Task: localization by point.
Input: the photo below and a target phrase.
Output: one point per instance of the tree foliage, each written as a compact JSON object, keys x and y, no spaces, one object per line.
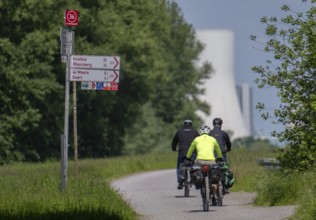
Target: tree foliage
{"x":158,"y":78}
{"x":292,"y":70}
{"x":28,"y":81}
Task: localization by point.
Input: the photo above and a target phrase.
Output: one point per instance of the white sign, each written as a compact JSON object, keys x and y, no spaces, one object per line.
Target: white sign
{"x":95,"y":62}
{"x":94,"y":75}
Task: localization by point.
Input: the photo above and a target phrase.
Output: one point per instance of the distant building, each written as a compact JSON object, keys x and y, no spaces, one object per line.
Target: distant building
{"x":244,"y":93}
{"x":220,"y":89}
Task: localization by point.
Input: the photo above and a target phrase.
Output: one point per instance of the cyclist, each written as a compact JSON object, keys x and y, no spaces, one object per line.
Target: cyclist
{"x":223,"y":140}
{"x":205,"y":146}
{"x":183,"y":138}
{"x":222,"y":137}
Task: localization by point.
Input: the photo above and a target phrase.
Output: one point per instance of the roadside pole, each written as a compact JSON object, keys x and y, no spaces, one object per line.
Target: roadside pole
{"x":74,"y":91}
{"x":66,"y":38}
{"x":66,"y":50}
{"x":66,"y":125}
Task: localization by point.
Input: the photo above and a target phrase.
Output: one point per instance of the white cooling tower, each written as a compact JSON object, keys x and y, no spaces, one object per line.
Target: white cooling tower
{"x":246,"y":104}
{"x":220,"y":89}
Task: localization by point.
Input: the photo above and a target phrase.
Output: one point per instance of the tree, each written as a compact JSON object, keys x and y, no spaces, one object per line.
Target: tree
{"x":174,"y":85}
{"x":157,"y":49}
{"x":292,"y":72}
{"x":28,"y":82}
{"x":157,"y":77}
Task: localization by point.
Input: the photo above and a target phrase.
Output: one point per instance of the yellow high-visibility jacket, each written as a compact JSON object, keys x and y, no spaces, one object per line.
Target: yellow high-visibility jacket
{"x":205,"y":146}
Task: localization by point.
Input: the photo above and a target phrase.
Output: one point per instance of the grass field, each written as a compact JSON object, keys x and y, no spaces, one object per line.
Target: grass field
{"x":32,"y":191}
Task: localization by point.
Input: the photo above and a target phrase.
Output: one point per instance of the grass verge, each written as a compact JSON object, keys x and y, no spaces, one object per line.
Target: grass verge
{"x":299,"y":188}
{"x":31,"y":191}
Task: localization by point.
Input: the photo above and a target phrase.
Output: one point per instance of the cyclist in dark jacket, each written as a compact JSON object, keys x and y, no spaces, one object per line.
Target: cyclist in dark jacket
{"x":183,"y":138}
{"x":221,"y":137}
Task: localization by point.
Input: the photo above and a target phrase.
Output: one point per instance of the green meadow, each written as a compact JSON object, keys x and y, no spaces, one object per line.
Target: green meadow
{"x":32,"y":191}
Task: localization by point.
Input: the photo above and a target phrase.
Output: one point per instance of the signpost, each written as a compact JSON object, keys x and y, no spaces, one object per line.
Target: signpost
{"x":66,"y":39}
{"x":71,"y":18}
{"x":101,"y":71}
{"x":95,"y":70}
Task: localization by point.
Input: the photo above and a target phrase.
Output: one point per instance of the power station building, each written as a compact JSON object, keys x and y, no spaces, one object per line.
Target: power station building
{"x":244,"y":94}
{"x":230,"y":102}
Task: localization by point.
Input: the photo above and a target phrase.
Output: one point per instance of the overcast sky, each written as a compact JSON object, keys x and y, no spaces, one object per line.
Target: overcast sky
{"x":243,"y":18}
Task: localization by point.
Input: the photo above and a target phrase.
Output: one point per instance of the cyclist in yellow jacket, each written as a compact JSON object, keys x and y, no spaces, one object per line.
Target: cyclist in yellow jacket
{"x":205,"y":146}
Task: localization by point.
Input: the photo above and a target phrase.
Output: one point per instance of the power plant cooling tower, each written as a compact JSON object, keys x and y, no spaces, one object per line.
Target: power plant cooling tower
{"x":244,"y":93}
{"x":220,"y":89}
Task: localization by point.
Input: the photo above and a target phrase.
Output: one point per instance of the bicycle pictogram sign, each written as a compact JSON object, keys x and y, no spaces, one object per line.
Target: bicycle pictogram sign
{"x":71,"y":17}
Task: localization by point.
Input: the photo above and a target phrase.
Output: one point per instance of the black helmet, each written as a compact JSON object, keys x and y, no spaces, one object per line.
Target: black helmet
{"x":217,"y":121}
{"x":187,"y":123}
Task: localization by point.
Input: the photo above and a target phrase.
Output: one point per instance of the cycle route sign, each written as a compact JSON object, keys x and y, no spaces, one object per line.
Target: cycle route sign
{"x":94,"y":68}
{"x":71,"y":17}
{"x":99,"y":86}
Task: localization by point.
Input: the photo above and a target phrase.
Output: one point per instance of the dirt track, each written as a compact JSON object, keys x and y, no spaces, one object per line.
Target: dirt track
{"x":154,"y":196}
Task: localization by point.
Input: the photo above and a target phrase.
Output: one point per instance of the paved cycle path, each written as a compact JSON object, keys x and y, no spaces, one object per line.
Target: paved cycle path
{"x":154,"y":196}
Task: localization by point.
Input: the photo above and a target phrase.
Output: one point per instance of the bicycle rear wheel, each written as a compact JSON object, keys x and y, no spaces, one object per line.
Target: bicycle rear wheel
{"x":220,"y":194}
{"x":205,"y":191}
{"x":187,"y":184}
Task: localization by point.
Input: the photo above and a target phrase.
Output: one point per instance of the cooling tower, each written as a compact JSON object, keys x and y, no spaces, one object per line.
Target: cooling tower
{"x":220,"y":89}
{"x":244,"y":93}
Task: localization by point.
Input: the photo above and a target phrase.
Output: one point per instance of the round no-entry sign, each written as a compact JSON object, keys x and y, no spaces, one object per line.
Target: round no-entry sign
{"x":71,"y":17}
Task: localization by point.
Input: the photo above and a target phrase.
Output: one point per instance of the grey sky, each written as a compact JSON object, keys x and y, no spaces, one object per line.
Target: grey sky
{"x":243,"y":18}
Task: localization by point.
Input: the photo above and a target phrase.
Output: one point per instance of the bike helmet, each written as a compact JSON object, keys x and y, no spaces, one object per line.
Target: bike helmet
{"x":205,"y":129}
{"x":187,"y":123}
{"x":217,"y":121}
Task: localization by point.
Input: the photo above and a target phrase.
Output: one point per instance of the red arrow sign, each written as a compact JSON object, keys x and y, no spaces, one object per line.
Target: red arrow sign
{"x":117,"y":63}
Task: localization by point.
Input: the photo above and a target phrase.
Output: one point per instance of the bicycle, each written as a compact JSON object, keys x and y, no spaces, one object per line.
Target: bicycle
{"x":185,"y":176}
{"x":187,"y":182}
{"x":205,"y":187}
{"x":211,"y":176}
{"x":216,"y":179}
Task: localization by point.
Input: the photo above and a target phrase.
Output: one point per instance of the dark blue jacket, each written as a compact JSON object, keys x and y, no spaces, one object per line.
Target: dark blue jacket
{"x":184,"y":137}
{"x":222,"y":139}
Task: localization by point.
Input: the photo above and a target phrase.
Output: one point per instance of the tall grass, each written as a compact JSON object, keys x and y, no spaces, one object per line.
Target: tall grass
{"x":274,"y":187}
{"x":279,"y":188}
{"x":243,"y":163}
{"x":307,"y":197}
{"x":32,"y":191}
